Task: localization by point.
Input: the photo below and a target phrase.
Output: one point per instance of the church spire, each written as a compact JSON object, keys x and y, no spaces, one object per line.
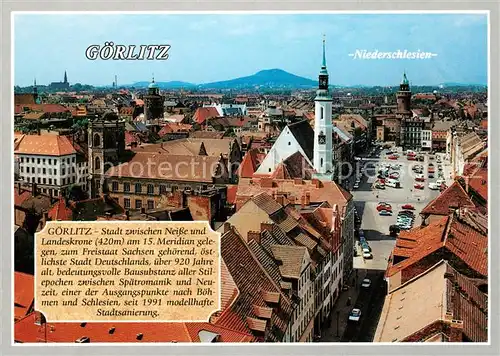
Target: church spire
{"x":65,"y":77}
{"x":323,"y":65}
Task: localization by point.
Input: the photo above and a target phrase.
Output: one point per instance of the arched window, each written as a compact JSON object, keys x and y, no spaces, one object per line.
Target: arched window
{"x":321,"y":162}
{"x":322,"y":112}
{"x":97,"y":164}
{"x":97,"y":140}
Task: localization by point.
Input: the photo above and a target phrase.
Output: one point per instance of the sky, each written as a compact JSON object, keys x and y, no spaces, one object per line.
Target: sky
{"x":213,"y":47}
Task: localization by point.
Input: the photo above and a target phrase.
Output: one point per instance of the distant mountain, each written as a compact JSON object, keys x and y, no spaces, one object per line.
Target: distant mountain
{"x":269,"y":78}
{"x":461,"y":85}
{"x":164,"y":85}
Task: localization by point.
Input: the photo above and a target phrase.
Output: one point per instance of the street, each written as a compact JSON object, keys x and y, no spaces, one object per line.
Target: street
{"x":376,"y":229}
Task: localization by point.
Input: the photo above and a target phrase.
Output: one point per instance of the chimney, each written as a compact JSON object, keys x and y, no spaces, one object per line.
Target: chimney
{"x":266,"y":226}
{"x":227,"y":227}
{"x":253,"y":235}
{"x":34,"y":189}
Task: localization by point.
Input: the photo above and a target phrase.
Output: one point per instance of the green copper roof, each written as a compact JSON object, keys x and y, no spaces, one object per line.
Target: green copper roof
{"x":405,"y":80}
{"x":323,"y":64}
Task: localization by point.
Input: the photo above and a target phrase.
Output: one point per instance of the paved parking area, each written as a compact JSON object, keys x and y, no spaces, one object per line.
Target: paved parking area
{"x":366,"y":198}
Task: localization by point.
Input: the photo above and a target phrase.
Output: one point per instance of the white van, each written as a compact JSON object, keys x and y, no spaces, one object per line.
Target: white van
{"x":440,"y":181}
{"x":434,"y":186}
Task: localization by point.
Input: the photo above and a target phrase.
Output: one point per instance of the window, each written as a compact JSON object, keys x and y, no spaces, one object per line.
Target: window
{"x":151,"y":189}
{"x":73,"y":170}
{"x":44,"y":180}
{"x":28,"y":178}
{"x":44,"y":171}
{"x":39,"y":180}
{"x":97,"y":140}
{"x":27,"y":169}
{"x":289,"y":143}
{"x":151,"y":204}
{"x":73,"y":159}
{"x":126,"y":203}
{"x":322,"y":113}
{"x":126,"y":187}
{"x":50,"y":161}
{"x":138,"y":204}
{"x":22,"y":159}
{"x":55,"y":171}
{"x":138,"y":187}
{"x":97,"y":163}
{"x":55,"y":181}
{"x":64,"y":181}
{"x":21,"y":169}
{"x":39,"y":170}
{"x":163,"y":188}
{"x":38,"y":160}
{"x":43,"y":160}
{"x":63,"y":171}
{"x":67,"y":160}
{"x":50,"y":180}
{"x":321,"y":162}
{"x":114,"y":186}
{"x":32,"y":160}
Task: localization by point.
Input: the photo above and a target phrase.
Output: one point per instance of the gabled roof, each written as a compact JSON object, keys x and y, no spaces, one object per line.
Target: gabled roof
{"x":203,"y":114}
{"x":253,"y":283}
{"x":291,"y":258}
{"x":61,"y":211}
{"x":452,"y":197}
{"x":451,"y":233}
{"x":304,"y":134}
{"x":248,"y":164}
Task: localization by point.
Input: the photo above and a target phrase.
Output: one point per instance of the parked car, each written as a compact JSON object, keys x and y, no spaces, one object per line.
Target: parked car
{"x":408,"y":207}
{"x":418,"y":186}
{"x":394,"y":175}
{"x":431,"y":164}
{"x":384,"y":207}
{"x":355,"y":314}
{"x":393,"y":157}
{"x":367,"y":255}
{"x":420,"y":179}
{"x":431,"y":175}
{"x":385,"y":213}
{"x":366,"y":283}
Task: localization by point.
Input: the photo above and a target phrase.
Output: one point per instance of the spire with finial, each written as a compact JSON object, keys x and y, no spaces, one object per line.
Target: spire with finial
{"x":65,"y":77}
{"x":34,"y":82}
{"x":324,"y":52}
{"x":405,"y":79}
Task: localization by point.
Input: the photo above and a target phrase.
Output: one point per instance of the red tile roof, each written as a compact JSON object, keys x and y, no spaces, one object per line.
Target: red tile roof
{"x":478,"y":181}
{"x":249,"y":164}
{"x":451,"y":233}
{"x":21,"y":196}
{"x":203,"y":114}
{"x":61,"y":211}
{"x":231,"y":193}
{"x":452,"y":197}
{"x":252,"y":281}
{"x":26,"y":331}
{"x":48,"y":145}
{"x":24,"y":291}
{"x":174,"y":127}
{"x":46,"y":108}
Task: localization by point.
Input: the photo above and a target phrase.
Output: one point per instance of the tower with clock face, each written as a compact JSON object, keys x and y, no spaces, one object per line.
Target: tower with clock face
{"x":323,"y":131}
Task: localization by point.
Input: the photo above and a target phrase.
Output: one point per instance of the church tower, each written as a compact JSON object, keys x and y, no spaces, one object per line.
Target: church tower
{"x":153,"y":104}
{"x":35,"y":92}
{"x":106,"y":148}
{"x":403,"y":97}
{"x":323,"y":136}
{"x":65,"y":78}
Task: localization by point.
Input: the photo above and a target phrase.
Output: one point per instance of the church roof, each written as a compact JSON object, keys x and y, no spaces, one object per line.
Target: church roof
{"x":304,"y":134}
{"x":405,"y":80}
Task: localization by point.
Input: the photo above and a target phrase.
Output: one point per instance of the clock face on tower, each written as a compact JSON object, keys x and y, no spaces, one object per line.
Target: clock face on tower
{"x":323,"y":82}
{"x":321,"y":139}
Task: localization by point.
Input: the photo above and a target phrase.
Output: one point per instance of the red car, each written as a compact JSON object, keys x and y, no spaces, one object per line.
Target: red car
{"x":394,"y":176}
{"x":408,"y":207}
{"x":393,"y":157}
{"x":419,"y":186}
{"x":430,"y":170}
{"x":384,"y":207}
{"x":418,"y":179}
